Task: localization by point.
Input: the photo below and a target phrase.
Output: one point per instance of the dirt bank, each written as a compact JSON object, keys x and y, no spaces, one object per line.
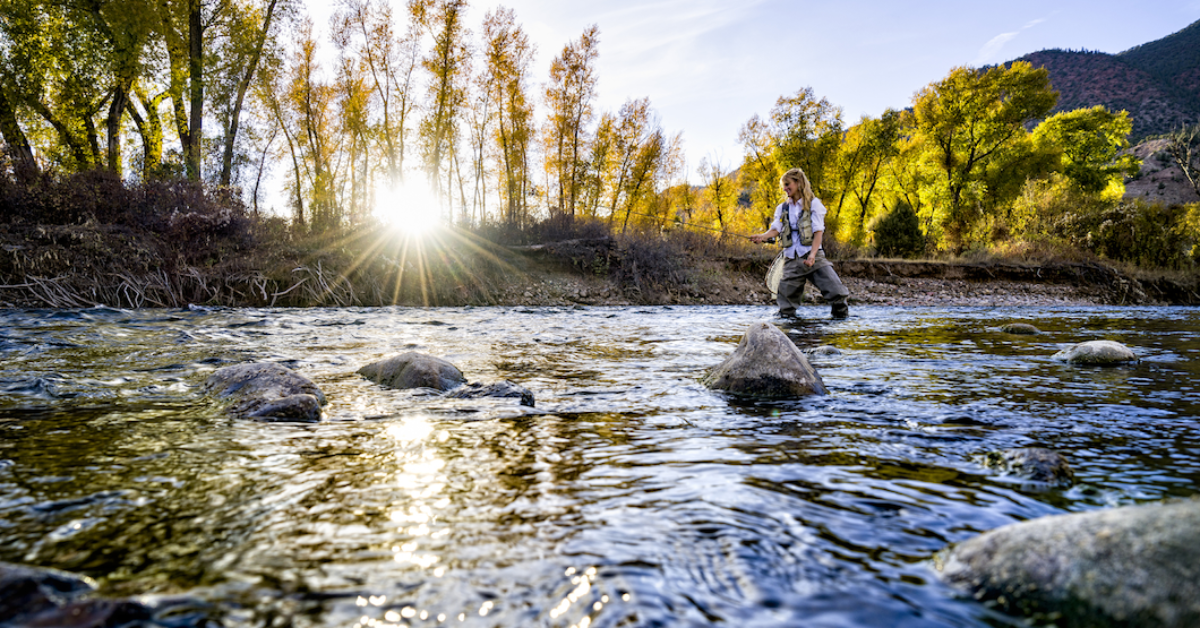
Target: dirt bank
{"x":80,"y":266}
{"x":871,"y":282}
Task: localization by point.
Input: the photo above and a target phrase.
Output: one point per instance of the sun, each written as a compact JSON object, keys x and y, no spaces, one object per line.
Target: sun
{"x":410,"y":207}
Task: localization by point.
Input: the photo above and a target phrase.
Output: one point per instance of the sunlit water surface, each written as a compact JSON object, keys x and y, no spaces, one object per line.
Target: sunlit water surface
{"x":630,"y":496}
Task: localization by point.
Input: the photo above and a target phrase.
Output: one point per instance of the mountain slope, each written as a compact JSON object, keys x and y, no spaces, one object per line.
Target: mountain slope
{"x":1158,"y":83}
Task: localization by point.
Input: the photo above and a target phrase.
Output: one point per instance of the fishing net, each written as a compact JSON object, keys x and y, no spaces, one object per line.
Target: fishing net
{"x":774,"y":274}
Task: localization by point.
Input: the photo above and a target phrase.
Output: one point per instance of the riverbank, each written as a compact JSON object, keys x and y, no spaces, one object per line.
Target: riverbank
{"x":85,"y":265}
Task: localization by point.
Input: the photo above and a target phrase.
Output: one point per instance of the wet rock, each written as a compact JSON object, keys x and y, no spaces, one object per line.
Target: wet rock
{"x":1020,"y":328}
{"x":1129,"y":566}
{"x":1097,"y":353}
{"x":414,"y":370}
{"x":502,"y":390}
{"x":267,"y":392}
{"x":33,"y":596}
{"x":823,"y":351}
{"x":1034,"y":464}
{"x":29,"y":590}
{"x":766,"y":364}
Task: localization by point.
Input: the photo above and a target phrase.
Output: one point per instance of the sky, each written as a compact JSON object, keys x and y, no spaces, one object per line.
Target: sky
{"x":708,"y":66}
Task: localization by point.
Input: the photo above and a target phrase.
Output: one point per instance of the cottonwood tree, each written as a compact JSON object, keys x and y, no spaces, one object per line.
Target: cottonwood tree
{"x":68,"y":65}
{"x":806,"y":133}
{"x":719,"y":189}
{"x":967,"y":121}
{"x":760,"y":170}
{"x":569,"y":96}
{"x":252,"y":27}
{"x":1087,"y":144}
{"x":508,"y":55}
{"x":365,"y":29}
{"x":447,"y":63}
{"x":859,"y":170}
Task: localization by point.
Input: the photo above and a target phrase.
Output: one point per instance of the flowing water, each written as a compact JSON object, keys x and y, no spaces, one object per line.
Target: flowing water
{"x":630,"y":496}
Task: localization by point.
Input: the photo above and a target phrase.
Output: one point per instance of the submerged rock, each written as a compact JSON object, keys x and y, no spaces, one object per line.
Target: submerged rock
{"x":1034,"y":464}
{"x":34,"y":596}
{"x":1096,"y":352}
{"x":267,"y":391}
{"x":822,"y":351}
{"x":502,"y":390}
{"x":1129,"y":566}
{"x":766,"y":364}
{"x":1020,"y":328}
{"x":414,"y":370}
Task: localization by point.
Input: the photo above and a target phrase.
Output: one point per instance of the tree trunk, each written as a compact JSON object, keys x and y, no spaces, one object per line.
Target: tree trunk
{"x":24,"y":164}
{"x":196,"y":80}
{"x":231,"y":132}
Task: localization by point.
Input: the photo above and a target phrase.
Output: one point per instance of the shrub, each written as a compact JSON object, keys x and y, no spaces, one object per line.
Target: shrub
{"x":898,"y":233}
{"x":1149,"y":235}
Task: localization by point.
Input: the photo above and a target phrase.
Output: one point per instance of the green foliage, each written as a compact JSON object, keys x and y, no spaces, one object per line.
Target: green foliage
{"x":1087,"y":145}
{"x":972,"y":124}
{"x":1144,"y":234}
{"x":898,"y":233}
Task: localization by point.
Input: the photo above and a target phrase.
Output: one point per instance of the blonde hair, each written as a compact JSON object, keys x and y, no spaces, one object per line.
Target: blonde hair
{"x":806,"y":193}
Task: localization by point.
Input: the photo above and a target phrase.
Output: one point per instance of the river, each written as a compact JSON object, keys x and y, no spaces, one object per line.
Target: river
{"x":629,"y":496}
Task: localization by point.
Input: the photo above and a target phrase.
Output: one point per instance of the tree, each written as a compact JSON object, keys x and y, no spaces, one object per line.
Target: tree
{"x":569,"y":95}
{"x":967,"y":120}
{"x":859,"y":167}
{"x":719,"y":187}
{"x":1087,"y":144}
{"x":364,"y":29}
{"x":508,"y":55}
{"x":258,"y":27}
{"x":1184,"y":147}
{"x":65,"y":63}
{"x":760,"y":170}
{"x":448,"y":64}
{"x":807,"y":133}
{"x":898,"y":233}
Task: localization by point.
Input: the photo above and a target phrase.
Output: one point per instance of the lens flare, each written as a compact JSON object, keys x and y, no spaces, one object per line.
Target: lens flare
{"x":411,"y":207}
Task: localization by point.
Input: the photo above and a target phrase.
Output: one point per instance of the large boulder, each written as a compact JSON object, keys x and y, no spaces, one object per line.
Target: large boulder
{"x":1129,"y":566}
{"x":1033,"y":464}
{"x":766,"y":364}
{"x":266,"y":391}
{"x":414,"y":370}
{"x":501,"y":390}
{"x":1096,"y":353}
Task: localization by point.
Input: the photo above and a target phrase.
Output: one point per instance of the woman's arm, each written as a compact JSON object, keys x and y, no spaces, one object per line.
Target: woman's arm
{"x":766,"y":235}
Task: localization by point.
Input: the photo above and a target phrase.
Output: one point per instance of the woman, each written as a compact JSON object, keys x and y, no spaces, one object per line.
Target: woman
{"x":800,"y":223}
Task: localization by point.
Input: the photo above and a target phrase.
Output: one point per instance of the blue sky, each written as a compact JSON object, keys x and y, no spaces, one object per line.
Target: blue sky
{"x":709,"y":65}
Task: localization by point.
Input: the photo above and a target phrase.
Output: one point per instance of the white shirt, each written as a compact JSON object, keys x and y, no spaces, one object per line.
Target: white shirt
{"x":794,"y":209}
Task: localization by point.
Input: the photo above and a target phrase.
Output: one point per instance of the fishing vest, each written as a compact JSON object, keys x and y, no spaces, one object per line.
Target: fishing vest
{"x":804,"y":226}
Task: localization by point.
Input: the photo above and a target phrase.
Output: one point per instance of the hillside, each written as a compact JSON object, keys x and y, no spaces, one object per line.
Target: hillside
{"x":1158,"y":83}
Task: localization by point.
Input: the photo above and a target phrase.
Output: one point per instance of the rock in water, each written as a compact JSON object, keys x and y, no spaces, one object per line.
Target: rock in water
{"x":1020,"y":328}
{"x":822,"y":351}
{"x":1096,"y":353}
{"x":1034,"y":464}
{"x":414,"y":370}
{"x":268,"y":392}
{"x":1129,"y":566}
{"x":503,"y":390}
{"x":766,"y":364}
{"x":34,"y":596}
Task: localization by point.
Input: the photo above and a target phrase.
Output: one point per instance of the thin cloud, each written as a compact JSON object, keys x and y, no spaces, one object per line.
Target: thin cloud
{"x":993,"y":47}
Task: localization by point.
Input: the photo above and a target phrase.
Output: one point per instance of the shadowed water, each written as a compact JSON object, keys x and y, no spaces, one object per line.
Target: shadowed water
{"x":630,"y":496}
